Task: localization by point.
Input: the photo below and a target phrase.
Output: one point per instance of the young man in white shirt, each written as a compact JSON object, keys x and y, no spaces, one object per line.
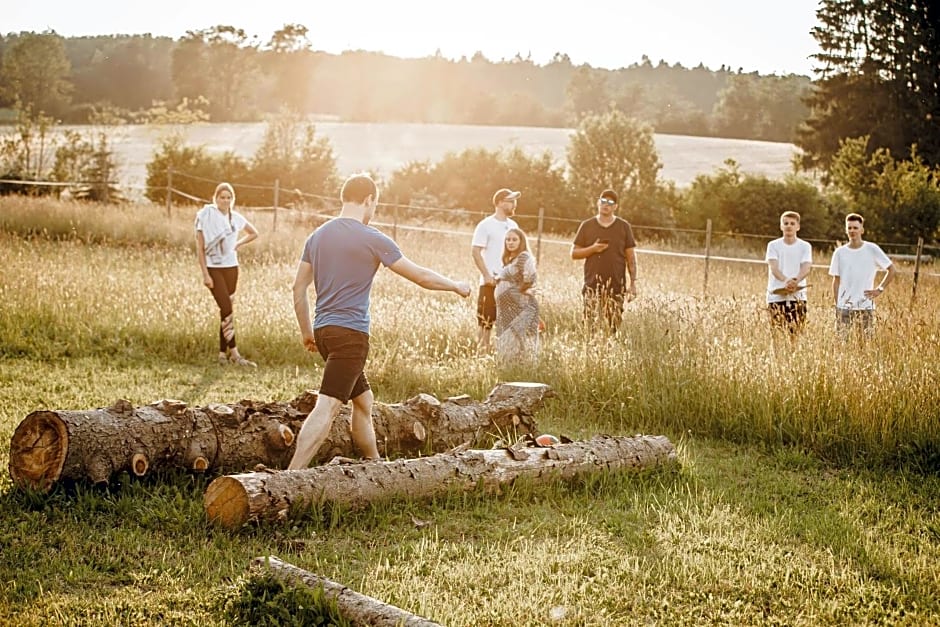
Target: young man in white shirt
{"x":487,"y":250}
{"x":853,"y":269}
{"x":789,"y":261}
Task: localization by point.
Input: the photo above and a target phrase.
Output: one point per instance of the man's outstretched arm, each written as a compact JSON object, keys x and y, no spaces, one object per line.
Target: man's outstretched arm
{"x":427,"y":278}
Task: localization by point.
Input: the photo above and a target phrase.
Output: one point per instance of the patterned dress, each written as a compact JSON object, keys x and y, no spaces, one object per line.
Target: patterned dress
{"x":517,"y":314}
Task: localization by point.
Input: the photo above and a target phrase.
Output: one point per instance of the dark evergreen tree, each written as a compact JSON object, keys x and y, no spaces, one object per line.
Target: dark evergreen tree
{"x":879,"y":68}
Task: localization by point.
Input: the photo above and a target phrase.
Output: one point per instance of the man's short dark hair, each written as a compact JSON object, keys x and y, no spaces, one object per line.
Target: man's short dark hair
{"x":357,"y":188}
{"x":855,"y":217}
{"x":611,"y":194}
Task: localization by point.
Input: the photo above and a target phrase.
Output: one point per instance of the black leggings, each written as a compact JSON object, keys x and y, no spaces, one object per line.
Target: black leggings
{"x":224,"y":282}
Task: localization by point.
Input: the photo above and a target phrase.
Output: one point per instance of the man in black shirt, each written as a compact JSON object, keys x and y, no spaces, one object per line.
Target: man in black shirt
{"x":606,"y":244}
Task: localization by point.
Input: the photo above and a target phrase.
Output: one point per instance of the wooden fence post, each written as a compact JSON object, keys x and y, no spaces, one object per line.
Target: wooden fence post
{"x":169,"y":191}
{"x":708,"y":247}
{"x":920,"y":250}
{"x":395,"y":222}
{"x":538,"y":242}
{"x":277,"y":189}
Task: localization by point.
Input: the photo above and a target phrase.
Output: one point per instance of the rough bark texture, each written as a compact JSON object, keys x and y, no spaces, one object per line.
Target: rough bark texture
{"x":52,"y":446}
{"x":358,"y":608}
{"x":234,"y":500}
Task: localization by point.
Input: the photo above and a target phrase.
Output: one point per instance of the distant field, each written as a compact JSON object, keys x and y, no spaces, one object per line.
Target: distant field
{"x":385,"y":147}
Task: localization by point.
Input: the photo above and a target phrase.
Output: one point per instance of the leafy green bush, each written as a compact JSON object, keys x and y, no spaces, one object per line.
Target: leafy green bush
{"x":295,"y":157}
{"x":742,"y":203}
{"x":26,"y":153}
{"x":468,"y":180}
{"x":614,"y":151}
{"x":89,"y":161}
{"x":899,"y":199}
{"x":291,"y":154}
{"x":195,"y":171}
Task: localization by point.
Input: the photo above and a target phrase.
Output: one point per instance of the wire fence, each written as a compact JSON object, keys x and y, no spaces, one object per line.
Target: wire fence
{"x":396,"y":217}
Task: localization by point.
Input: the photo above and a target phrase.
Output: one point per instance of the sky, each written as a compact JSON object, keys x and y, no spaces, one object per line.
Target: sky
{"x":766,"y":36}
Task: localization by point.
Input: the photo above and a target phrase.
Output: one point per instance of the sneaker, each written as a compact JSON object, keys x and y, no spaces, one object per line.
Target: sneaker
{"x":241,"y":361}
{"x":223,"y":359}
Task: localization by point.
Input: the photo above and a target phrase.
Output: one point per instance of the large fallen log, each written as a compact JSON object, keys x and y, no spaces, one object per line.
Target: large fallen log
{"x":52,"y":446}
{"x":356,"y":607}
{"x":234,"y":500}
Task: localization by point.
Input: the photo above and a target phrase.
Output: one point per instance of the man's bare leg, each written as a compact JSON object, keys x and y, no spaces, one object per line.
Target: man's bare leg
{"x":314,"y":431}
{"x":363,"y":431}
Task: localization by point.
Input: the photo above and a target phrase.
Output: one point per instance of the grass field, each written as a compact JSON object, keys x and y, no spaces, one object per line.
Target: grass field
{"x":807,"y":492}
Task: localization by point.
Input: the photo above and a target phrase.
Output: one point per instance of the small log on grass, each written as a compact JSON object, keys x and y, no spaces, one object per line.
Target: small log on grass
{"x":354,"y":606}
{"x":234,"y":500}
{"x":52,"y":446}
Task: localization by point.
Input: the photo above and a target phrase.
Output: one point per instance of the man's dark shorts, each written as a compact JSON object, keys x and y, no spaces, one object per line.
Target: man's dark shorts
{"x":486,"y":306}
{"x":345,"y":352}
{"x":789,"y":315}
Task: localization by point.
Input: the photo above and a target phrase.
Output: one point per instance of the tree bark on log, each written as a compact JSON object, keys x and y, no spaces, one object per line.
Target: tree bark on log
{"x":52,"y":446}
{"x":358,"y":608}
{"x":233,"y":500}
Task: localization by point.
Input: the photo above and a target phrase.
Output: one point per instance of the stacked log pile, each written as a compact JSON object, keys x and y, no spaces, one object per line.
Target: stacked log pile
{"x":52,"y":446}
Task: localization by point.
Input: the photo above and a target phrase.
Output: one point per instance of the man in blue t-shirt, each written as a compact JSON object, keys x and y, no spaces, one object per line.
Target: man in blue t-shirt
{"x":340,"y":259}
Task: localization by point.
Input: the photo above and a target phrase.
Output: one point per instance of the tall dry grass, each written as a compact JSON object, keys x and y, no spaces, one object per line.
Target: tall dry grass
{"x":82,"y":280}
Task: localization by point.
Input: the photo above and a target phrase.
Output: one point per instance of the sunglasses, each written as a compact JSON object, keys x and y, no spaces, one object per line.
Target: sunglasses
{"x":608,"y":201}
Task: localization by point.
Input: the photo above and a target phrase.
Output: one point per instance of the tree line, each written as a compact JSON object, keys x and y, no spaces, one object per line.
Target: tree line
{"x":237,"y":78}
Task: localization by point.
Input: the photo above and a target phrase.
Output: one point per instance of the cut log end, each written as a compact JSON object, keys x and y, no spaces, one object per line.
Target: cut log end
{"x":139,"y":464}
{"x":226,"y":503}
{"x":200,"y":464}
{"x":38,"y":450}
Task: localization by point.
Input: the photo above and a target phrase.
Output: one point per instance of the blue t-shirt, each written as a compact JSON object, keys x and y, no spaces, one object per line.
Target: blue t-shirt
{"x":345,"y":255}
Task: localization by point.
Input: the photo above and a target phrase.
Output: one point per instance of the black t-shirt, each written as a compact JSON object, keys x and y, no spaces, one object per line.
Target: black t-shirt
{"x":606,"y":269}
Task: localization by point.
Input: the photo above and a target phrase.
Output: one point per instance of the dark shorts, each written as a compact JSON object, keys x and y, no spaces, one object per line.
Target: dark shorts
{"x":859,"y":320}
{"x":345,"y":352}
{"x":789,"y":315}
{"x":486,"y":306}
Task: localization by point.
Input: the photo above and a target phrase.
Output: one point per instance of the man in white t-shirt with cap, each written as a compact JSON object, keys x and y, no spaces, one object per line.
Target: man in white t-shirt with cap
{"x":853,"y":269}
{"x":487,"y":246}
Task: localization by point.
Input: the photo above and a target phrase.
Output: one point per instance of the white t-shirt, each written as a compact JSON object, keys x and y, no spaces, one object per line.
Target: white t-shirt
{"x":490,"y":235}
{"x":222,"y":254}
{"x":856,"y":269}
{"x":789,"y":259}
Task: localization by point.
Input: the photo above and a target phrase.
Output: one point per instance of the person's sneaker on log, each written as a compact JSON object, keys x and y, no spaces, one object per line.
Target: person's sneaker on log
{"x":339,"y":459}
